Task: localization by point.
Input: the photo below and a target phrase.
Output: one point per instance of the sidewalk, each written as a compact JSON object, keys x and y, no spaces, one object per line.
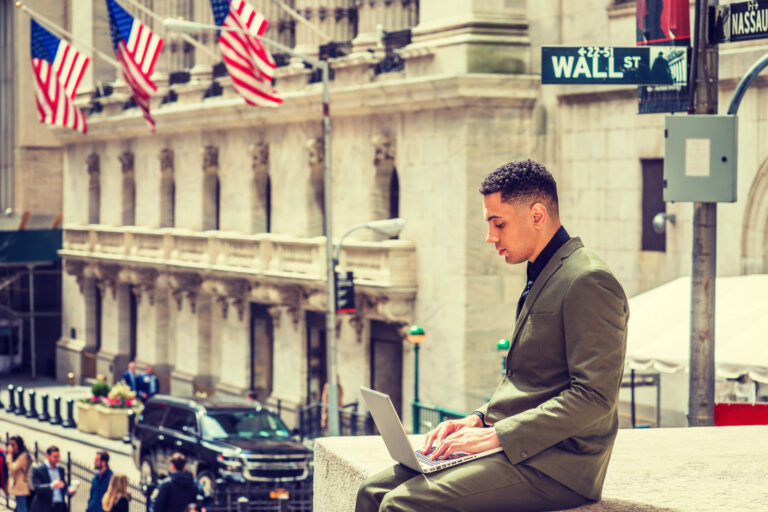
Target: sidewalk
{"x":53,"y":388}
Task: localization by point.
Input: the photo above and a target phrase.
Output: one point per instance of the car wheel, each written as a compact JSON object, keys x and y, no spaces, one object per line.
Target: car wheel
{"x":207,"y":481}
{"x":147,"y":471}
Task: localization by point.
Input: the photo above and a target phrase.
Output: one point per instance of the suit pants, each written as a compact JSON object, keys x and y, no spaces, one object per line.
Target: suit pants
{"x":489,"y":484}
{"x":58,"y":507}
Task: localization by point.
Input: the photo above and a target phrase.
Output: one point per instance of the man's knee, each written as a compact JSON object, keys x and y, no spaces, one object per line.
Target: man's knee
{"x":366,"y":500}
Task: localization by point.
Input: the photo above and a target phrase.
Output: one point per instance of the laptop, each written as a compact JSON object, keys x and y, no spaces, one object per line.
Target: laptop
{"x":399,"y":447}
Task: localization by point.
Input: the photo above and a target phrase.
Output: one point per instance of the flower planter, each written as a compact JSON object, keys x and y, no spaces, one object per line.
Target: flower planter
{"x":87,"y":417}
{"x":112,"y":423}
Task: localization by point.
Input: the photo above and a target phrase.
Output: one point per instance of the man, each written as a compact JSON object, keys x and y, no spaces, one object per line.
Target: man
{"x":100,"y":482}
{"x":148,"y":385}
{"x":49,"y":481}
{"x":555,"y":411}
{"x":130,"y":377}
{"x":178,"y":490}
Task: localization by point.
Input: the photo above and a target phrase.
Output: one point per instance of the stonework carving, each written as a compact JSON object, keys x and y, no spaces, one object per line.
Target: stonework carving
{"x":211,"y":159}
{"x":142,"y":281}
{"x":93,"y":164}
{"x":316,"y":154}
{"x":126,"y":160}
{"x":384,"y":153}
{"x":184,"y":284}
{"x":77,"y":269}
{"x":274,"y":312}
{"x":260,"y":153}
{"x":166,"y":161}
{"x":358,"y":324}
{"x":106,"y":276}
{"x":226,"y":291}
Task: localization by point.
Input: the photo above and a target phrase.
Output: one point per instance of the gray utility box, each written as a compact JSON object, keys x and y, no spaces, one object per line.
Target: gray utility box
{"x":700,"y":159}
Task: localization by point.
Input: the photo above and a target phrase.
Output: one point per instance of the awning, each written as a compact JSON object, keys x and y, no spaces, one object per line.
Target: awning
{"x":660,"y":320}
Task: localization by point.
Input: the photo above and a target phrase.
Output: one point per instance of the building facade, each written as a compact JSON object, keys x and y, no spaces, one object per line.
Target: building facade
{"x":200,"y":249}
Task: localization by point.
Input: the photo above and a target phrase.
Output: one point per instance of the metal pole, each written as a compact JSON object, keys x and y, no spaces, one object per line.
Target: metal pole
{"x":330,"y":329}
{"x":416,"y":409}
{"x":32,"y":351}
{"x":632,"y":393}
{"x":701,"y":397}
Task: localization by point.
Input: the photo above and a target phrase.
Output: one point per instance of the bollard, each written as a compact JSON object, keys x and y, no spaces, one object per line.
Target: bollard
{"x":56,"y":416}
{"x":20,"y":409}
{"x":71,"y":378}
{"x":44,"y":416}
{"x":32,"y":410}
{"x":69,"y":422}
{"x":131,"y":422}
{"x":11,"y":399}
{"x":242,"y":504}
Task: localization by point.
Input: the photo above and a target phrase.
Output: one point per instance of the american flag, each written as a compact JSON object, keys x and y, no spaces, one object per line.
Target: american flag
{"x":137,"y":49}
{"x":58,"y":69}
{"x":248,"y":63}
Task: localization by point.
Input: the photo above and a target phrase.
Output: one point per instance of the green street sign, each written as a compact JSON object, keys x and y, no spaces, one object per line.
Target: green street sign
{"x":646,"y":65}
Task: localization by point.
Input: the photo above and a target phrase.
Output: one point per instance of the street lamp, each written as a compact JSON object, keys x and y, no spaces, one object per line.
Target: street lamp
{"x":416,"y":336}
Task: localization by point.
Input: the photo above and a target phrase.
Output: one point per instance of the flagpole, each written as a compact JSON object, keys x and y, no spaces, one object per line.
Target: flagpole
{"x":301,"y":19}
{"x":67,"y":33}
{"x":191,"y":40}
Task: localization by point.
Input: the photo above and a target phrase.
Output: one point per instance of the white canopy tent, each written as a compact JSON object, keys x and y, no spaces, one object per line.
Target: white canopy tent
{"x":660,"y":319}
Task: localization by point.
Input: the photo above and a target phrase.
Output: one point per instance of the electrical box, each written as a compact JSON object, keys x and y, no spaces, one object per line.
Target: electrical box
{"x":700,"y":159}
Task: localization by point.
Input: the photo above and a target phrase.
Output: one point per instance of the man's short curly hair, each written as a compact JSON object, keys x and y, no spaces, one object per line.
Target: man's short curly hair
{"x":523,"y":182}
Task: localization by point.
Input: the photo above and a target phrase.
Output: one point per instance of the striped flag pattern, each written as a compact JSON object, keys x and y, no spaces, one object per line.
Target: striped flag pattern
{"x":137,"y":48}
{"x":58,"y":70}
{"x":248,"y":63}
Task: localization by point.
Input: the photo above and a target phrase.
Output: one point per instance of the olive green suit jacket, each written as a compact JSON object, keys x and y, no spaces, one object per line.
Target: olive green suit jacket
{"x":556,"y":407}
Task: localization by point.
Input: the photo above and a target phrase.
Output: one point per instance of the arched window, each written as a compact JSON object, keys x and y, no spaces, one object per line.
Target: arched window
{"x":94,"y":189}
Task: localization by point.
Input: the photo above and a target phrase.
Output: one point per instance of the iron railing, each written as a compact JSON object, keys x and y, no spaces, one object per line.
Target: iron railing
{"x":351,"y":422}
{"x":429,"y":416}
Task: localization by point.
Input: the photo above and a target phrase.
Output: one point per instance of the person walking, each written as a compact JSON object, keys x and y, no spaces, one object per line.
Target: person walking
{"x":116,"y":498}
{"x":19,"y":466}
{"x":177,"y":491}
{"x":49,"y":482}
{"x":100,"y":482}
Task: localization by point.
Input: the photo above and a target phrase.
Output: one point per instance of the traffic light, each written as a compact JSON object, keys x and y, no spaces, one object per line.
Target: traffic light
{"x":345,"y":293}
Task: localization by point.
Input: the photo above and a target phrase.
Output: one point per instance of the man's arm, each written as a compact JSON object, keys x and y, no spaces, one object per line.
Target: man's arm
{"x":595,"y":324}
{"x":159,"y":499}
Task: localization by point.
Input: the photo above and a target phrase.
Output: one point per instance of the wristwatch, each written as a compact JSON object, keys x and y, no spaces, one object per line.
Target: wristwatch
{"x":481,"y":416}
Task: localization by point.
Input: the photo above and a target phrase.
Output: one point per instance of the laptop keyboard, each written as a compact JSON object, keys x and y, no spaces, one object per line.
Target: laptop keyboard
{"x":426,"y":458}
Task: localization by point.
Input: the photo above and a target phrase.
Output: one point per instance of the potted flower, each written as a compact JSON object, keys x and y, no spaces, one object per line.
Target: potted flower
{"x":87,"y":415}
{"x":113,"y":411}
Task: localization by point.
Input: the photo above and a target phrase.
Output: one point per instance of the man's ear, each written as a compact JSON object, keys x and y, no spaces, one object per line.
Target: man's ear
{"x":539,"y":214}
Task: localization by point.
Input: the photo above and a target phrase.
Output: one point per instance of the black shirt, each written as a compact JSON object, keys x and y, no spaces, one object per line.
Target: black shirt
{"x":534,"y":269}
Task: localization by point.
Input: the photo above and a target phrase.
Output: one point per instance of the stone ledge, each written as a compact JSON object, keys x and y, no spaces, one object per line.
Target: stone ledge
{"x":651,"y":470}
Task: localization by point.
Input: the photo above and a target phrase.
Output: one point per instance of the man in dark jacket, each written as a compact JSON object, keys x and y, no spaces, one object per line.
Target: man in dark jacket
{"x":178,"y":490}
{"x":148,"y":385}
{"x":100,"y":482}
{"x":49,"y":480}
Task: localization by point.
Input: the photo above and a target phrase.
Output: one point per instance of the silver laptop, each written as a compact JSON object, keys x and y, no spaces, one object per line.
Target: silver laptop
{"x":393,"y":433}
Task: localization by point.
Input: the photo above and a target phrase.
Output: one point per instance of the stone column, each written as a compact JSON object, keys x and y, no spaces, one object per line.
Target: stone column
{"x":167,"y":189}
{"x":233,"y":364}
{"x":115,"y":323}
{"x":203,"y":63}
{"x":290,"y":356}
{"x":335,"y":18}
{"x":259,"y":199}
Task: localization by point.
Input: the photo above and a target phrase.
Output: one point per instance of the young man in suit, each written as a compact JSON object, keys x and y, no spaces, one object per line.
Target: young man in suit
{"x":130,"y":377}
{"x":148,"y":385}
{"x":555,"y":411}
{"x":49,"y":480}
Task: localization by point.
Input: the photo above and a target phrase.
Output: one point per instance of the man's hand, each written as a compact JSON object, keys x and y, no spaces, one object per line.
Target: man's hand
{"x":443,"y":430}
{"x":468,"y":440}
{"x":58,"y":484}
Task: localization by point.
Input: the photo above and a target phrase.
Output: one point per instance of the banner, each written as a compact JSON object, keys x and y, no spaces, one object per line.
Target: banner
{"x":667,"y":23}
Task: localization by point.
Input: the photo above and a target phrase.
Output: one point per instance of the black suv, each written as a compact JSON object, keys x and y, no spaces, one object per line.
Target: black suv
{"x":233,"y":443}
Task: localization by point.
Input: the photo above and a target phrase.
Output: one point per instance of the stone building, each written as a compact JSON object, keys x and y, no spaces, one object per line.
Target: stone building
{"x":200,"y":249}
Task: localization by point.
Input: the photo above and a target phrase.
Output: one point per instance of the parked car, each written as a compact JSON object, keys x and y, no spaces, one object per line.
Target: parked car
{"x":225,"y":443}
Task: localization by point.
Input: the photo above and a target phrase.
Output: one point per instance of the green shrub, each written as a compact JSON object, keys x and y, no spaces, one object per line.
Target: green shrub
{"x":100,"y":389}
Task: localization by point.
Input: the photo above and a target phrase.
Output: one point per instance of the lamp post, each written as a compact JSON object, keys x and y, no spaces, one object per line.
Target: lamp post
{"x":416,"y":335}
{"x":503,"y":346}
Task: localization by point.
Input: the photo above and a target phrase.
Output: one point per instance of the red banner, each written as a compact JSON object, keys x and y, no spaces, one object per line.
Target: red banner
{"x":740,"y":414}
{"x":664,"y":22}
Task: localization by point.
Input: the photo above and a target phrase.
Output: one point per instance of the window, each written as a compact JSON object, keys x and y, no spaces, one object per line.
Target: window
{"x":211,"y":204}
{"x":167,"y":200}
{"x":153,"y":415}
{"x":181,"y":420}
{"x":653,"y":203}
{"x":243,"y":423}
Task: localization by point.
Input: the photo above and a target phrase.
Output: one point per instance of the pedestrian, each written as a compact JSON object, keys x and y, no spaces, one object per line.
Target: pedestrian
{"x":176,"y":492}
{"x":148,"y":385}
{"x":19,"y":466}
{"x":49,"y":482}
{"x":194,"y":507}
{"x":116,"y":498}
{"x":100,"y":482}
{"x":130,"y":377}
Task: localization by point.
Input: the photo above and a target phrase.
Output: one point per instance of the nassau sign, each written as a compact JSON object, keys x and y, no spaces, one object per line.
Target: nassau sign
{"x":649,"y":65}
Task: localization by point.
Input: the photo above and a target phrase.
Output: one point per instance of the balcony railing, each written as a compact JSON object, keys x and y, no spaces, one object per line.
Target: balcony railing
{"x":390,"y":263}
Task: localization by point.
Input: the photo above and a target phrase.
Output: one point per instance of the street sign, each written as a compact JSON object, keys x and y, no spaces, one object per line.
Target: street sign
{"x":741,"y":21}
{"x":345,"y":293}
{"x":661,"y":65}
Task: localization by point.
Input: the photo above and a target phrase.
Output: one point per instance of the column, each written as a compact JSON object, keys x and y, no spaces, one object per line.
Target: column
{"x":231,"y":351}
{"x":335,"y":18}
{"x":115,"y":330}
{"x":390,"y":14}
{"x":203,"y":62}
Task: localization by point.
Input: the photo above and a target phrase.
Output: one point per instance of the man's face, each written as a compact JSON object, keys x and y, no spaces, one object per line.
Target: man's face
{"x":97,"y":462}
{"x":510,"y":228}
{"x":149,"y":369}
{"x":53,"y":458}
{"x":132,"y":367}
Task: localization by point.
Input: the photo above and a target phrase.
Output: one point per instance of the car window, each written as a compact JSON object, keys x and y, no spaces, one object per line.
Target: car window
{"x":181,"y":420}
{"x":243,"y":423}
{"x":153,"y":415}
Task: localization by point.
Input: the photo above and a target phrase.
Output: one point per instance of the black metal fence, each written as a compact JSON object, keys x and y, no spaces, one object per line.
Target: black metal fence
{"x":351,"y":422}
{"x":284,"y":497}
{"x":82,"y":473}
